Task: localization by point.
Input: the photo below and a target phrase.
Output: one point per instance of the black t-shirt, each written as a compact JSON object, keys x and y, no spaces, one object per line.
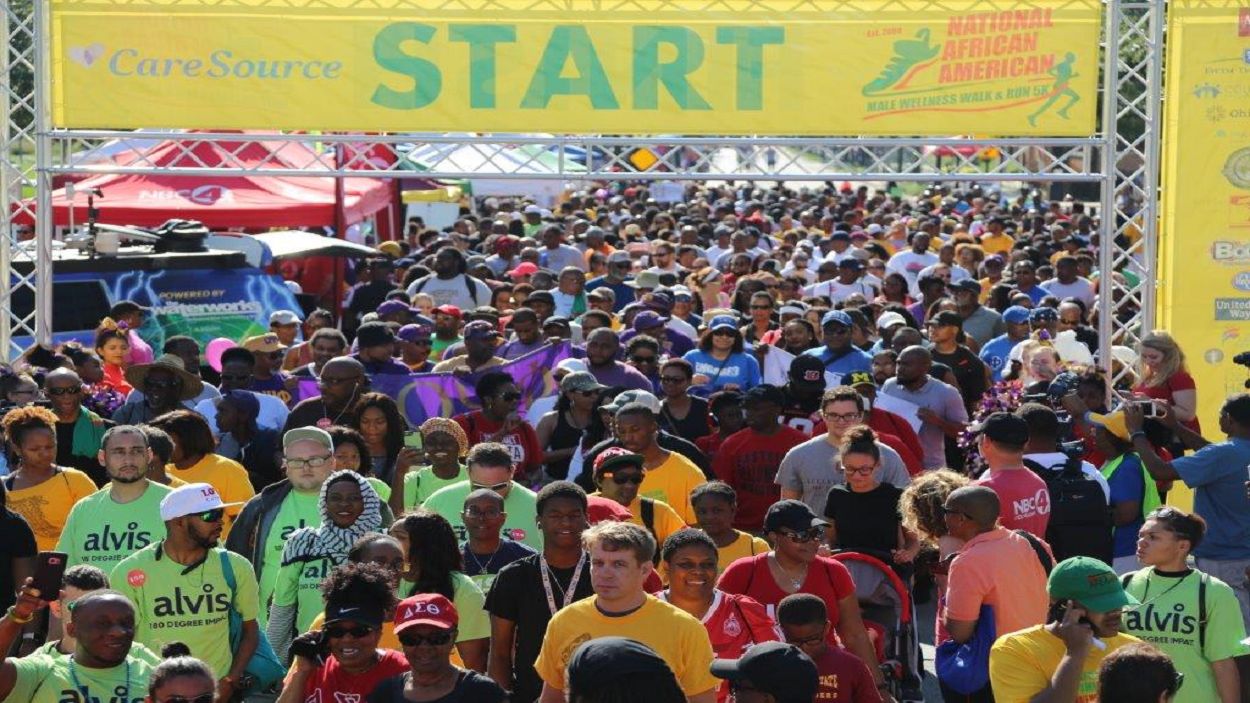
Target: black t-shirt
{"x":691,"y":427}
{"x":969,"y":372}
{"x":471,"y":687}
{"x":18,"y":543}
{"x":518,"y":595}
{"x":865,"y":520}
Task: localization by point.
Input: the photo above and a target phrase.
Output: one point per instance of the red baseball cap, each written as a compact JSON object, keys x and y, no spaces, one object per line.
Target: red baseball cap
{"x":448,"y":310}
{"x":525,"y":268}
{"x":430,"y":609}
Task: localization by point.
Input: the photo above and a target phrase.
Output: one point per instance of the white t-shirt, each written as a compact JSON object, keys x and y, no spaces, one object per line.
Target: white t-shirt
{"x":838,"y":291}
{"x":272,"y":413}
{"x":1081,"y":289}
{"x":958,"y":273}
{"x":452,"y":291}
{"x":910,"y":264}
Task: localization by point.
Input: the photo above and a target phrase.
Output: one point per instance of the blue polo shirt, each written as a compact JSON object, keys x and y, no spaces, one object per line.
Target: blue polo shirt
{"x":995,"y":354}
{"x":1217,"y":473}
{"x":848,"y":362}
{"x":624,"y":293}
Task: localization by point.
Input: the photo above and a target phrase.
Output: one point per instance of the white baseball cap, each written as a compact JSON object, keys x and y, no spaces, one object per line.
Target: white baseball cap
{"x":572,"y":365}
{"x":191,"y":499}
{"x":283,"y":317}
{"x":888,"y":319}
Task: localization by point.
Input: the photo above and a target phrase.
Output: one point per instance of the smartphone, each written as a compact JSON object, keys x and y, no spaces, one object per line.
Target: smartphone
{"x":414,"y":440}
{"x":1058,"y":610}
{"x":1150,"y":409}
{"x":49,"y":571}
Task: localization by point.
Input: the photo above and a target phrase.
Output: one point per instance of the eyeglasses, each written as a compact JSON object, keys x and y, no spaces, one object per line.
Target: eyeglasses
{"x":844,"y":417}
{"x":313,"y":462}
{"x":72,"y":390}
{"x":800,"y":642}
{"x":356,"y":631}
{"x":622,"y":479}
{"x":761,"y":307}
{"x":492,"y":486}
{"x":490,"y":514}
{"x":724,"y":333}
{"x":861,"y":470}
{"x":643,"y":359}
{"x":510,"y":397}
{"x":1177,"y":681}
{"x":673,"y":379}
{"x":588,"y":394}
{"x":943,"y":510}
{"x":161,"y":385}
{"x":206,"y":698}
{"x":804,"y":537}
{"x":438,"y":639}
{"x":214,"y":515}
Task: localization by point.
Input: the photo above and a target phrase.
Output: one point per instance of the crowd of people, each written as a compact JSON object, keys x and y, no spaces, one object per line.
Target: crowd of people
{"x":782,"y":419}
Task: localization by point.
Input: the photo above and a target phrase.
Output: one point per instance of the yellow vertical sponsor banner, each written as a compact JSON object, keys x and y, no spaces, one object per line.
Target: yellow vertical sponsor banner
{"x":1204,"y":262}
{"x":811,"y":67}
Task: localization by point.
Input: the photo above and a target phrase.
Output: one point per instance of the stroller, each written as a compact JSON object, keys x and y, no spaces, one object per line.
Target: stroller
{"x":888,"y":615}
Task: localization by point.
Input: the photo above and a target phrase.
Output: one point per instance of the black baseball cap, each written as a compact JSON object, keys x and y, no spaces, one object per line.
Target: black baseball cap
{"x":791,"y":515}
{"x":807,"y":369}
{"x":947,"y":318}
{"x":1004,"y":427}
{"x":367,"y":613}
{"x":776,"y":668}
{"x":604,"y":659}
{"x":765,"y":393}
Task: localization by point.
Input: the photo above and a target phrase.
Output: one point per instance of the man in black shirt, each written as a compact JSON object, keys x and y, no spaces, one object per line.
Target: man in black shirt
{"x":970,"y":372}
{"x":528,"y":592}
{"x":802,"y":394}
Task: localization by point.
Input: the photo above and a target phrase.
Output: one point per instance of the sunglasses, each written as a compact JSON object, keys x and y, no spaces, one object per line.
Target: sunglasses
{"x":802,"y":537}
{"x":438,"y":639}
{"x":622,"y":479}
{"x":673,"y":379}
{"x":206,"y":698}
{"x":642,"y":359}
{"x":493,"y":486}
{"x":356,"y":631}
{"x":1177,"y":682}
{"x":277,"y":355}
{"x":214,"y":515}
{"x":944,"y":511}
{"x":588,"y":394}
{"x":724,"y":333}
{"x":73,"y":390}
{"x":510,"y":397}
{"x":761,"y":307}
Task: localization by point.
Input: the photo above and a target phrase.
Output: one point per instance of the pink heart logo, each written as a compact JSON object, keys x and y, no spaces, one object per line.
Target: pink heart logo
{"x":86,"y":55}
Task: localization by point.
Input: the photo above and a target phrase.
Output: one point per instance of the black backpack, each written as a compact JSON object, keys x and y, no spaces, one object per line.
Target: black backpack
{"x":1081,"y":523}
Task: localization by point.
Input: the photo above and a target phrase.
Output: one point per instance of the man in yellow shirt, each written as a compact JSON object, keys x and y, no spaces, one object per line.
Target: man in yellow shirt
{"x":670,"y":477}
{"x":620,"y":561}
{"x":995,"y":240}
{"x":1059,"y":661}
{"x":618,"y":475}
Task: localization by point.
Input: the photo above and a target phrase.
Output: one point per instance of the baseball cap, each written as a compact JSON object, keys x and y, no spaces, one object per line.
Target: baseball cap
{"x":889,"y":319}
{"x":646,"y":279}
{"x":776,"y":668}
{"x":414,"y":332}
{"x":792,"y":515}
{"x":264,"y":343}
{"x":606,"y":659}
{"x":580,"y":381}
{"x":1112,"y":422}
{"x":851,"y":262}
{"x":647,"y":319}
{"x":572,"y":365}
{"x":602,"y":292}
{"x":540,"y":295}
{"x":613,"y":457}
{"x":431,"y":609}
{"x":451,"y":310}
{"x":660,"y":301}
{"x":311,"y":434}
{"x":807,"y":369}
{"x":532,"y":210}
{"x":967,"y":284}
{"x":245,"y":401}
{"x":391,"y":307}
{"x":635,"y":396}
{"x":861,"y":378}
{"x":1016,"y":314}
{"x":283,"y":317}
{"x":836,"y":317}
{"x":1043,"y":315}
{"x":721,"y":322}
{"x":947,"y":318}
{"x":524,"y":268}
{"x":619,"y":257}
{"x":1089,"y":582}
{"x":1003,"y":427}
{"x":480,"y":329}
{"x":374,"y":334}
{"x":191,"y":499}
{"x":765,"y":393}
{"x":367,"y":613}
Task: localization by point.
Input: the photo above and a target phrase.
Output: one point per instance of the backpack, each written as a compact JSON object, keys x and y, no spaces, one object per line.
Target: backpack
{"x":1081,"y":523}
{"x":648,"y":521}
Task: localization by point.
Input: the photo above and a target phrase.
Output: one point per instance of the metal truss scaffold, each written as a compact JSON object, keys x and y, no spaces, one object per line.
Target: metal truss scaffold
{"x":1122,"y":160}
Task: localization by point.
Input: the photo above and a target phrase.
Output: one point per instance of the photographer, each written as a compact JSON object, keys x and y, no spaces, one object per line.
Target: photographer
{"x":341,"y":661}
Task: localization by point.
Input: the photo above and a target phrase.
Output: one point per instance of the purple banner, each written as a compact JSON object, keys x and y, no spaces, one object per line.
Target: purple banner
{"x":425,"y":395}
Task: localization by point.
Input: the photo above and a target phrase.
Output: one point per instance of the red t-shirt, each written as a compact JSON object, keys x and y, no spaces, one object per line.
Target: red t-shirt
{"x":844,"y":678}
{"x":886,"y":422}
{"x":748,"y":461}
{"x":826,"y":579}
{"x":522,"y":442}
{"x":733,"y":623}
{"x":1179,"y":381}
{"x":1024,"y":499}
{"x":708,"y":444}
{"x":328,"y":683}
{"x":910,"y":459}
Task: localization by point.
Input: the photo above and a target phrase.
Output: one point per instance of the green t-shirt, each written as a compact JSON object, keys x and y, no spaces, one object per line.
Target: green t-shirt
{"x":101,"y":532}
{"x":438,"y":345}
{"x":521,"y":506}
{"x":1169,"y":619}
{"x":297,"y":510}
{"x":138,"y":651}
{"x":470,"y":605}
{"x":58,"y":679}
{"x":187,"y":604}
{"x":419,"y":485}
{"x":380,"y":487}
{"x":299,"y":584}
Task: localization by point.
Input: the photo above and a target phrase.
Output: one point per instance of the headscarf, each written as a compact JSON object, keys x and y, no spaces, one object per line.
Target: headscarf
{"x":451,"y":427}
{"x":330,"y":540}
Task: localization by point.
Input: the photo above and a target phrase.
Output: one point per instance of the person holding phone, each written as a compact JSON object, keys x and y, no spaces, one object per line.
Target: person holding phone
{"x":342,"y":661}
{"x":1059,"y":661}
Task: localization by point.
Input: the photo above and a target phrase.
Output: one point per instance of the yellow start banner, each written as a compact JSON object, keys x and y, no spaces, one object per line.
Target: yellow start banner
{"x":641,"y":67}
{"x":1204,"y":291}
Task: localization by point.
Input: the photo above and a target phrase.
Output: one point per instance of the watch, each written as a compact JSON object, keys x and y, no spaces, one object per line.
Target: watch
{"x":11,"y":613}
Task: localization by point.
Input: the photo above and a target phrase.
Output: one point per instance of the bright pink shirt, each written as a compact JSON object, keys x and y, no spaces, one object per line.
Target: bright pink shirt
{"x":1023,"y":498}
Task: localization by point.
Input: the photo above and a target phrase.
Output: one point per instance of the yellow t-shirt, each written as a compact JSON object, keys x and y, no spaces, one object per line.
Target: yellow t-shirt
{"x":672,"y":483}
{"x":997,"y":244}
{"x":674,"y":634}
{"x":666,"y":521}
{"x":226,"y":476}
{"x":745,"y":546}
{"x":1023,"y":662}
{"x":46,"y":506}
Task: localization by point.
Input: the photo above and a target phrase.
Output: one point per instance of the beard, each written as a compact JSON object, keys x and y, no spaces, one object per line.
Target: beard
{"x":127,"y":478}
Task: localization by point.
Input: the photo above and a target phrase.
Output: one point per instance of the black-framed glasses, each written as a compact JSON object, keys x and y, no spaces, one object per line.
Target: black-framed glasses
{"x":356,"y":631}
{"x":205,"y":698}
{"x":622,"y":479}
{"x":862,"y":470}
{"x":800,"y":642}
{"x":844,"y":417}
{"x":492,"y":486}
{"x":673,"y":379}
{"x":943,"y":510}
{"x":803,"y":537}
{"x":214,"y":515}
{"x":312,"y":462}
{"x":437,"y":639}
{"x":71,"y":390}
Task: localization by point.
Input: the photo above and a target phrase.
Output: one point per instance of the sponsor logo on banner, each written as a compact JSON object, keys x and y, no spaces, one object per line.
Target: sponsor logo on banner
{"x":1237,"y":168}
{"x":1243,"y":22}
{"x":1241,"y":281}
{"x":1236,"y":309}
{"x":201,"y":195}
{"x":1230,"y":252}
{"x":1239,"y":211}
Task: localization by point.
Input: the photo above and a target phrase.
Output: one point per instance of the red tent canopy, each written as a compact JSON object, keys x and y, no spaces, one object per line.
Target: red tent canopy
{"x":224,"y":201}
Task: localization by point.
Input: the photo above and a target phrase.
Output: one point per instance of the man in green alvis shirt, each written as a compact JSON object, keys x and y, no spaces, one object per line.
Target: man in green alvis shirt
{"x":490,"y":466}
{"x":180,"y":590}
{"x":102,"y":667}
{"x":124,"y":516}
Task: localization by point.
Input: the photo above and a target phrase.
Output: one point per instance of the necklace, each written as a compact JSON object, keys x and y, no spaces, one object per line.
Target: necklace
{"x":483,"y":569}
{"x":1145,"y":602}
{"x":796,"y":583}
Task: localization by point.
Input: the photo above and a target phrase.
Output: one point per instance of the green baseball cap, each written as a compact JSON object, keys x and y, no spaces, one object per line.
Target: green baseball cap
{"x":1089,"y":582}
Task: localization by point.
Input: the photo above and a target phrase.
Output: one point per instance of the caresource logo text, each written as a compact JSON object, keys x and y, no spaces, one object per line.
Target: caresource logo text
{"x":200,"y":195}
{"x":219,"y":64}
{"x":1223,"y":252}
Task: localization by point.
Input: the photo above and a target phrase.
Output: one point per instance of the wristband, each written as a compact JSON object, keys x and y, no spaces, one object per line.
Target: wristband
{"x":11,"y":613}
{"x":1134,"y":435}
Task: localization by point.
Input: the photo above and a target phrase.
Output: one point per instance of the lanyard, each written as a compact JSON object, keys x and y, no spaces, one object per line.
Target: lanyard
{"x":568,"y":594}
{"x":122,"y":691}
